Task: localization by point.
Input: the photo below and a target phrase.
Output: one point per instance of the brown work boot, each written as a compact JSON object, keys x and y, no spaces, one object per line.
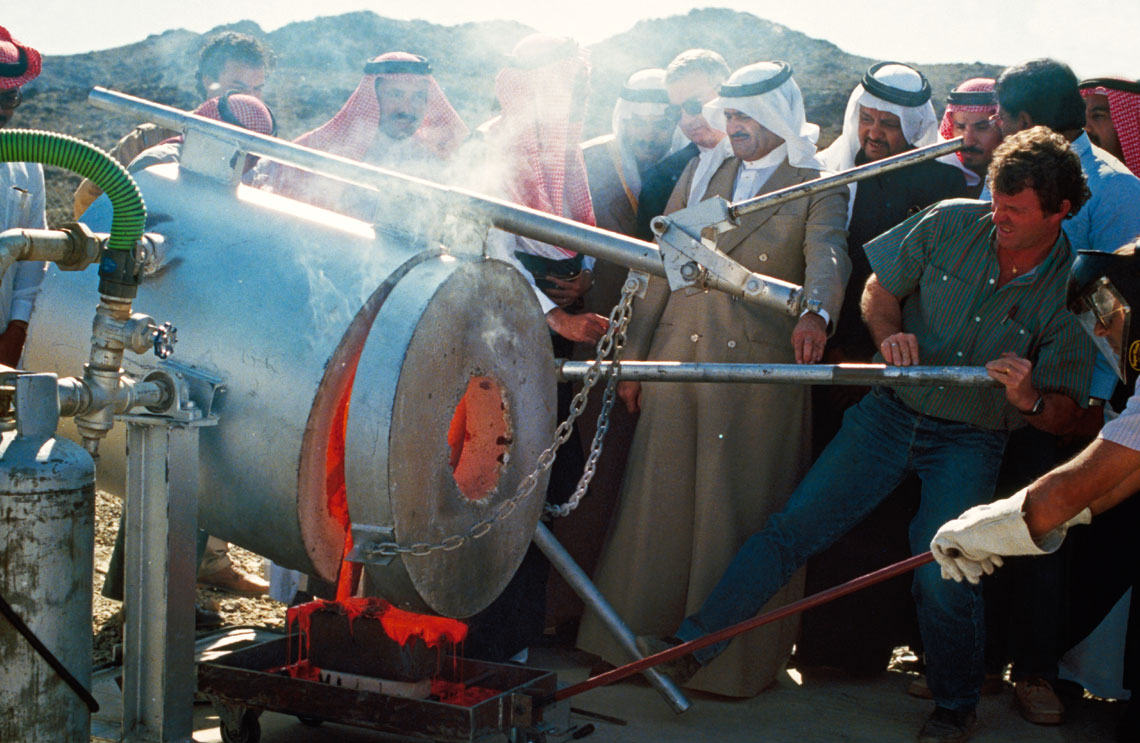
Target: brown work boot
{"x":1037,"y":702}
{"x":947,"y":726}
{"x":679,"y":669}
{"x":232,"y":580}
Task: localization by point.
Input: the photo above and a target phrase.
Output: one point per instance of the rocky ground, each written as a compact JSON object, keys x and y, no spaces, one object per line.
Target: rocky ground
{"x":106,"y":619}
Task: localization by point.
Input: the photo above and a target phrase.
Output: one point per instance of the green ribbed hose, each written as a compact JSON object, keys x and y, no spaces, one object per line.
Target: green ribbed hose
{"x":128,"y":219}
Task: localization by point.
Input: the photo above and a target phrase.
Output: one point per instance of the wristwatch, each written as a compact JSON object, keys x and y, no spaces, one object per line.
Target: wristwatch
{"x":1038,"y":406}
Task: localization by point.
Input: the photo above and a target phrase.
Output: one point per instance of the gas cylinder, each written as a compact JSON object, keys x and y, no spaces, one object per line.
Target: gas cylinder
{"x":47,"y":535}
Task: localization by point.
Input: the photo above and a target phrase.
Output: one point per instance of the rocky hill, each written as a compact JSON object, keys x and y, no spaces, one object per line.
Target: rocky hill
{"x":319,"y":63}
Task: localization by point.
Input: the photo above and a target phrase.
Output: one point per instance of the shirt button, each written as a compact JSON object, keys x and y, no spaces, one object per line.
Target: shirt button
{"x":941,"y":387}
{"x":732,"y":344}
{"x":977,"y":319}
{"x":763,"y":257}
{"x":991,"y":281}
{"x":694,"y":337}
{"x":1021,"y":332}
{"x":944,"y":277}
{"x":959,"y":353}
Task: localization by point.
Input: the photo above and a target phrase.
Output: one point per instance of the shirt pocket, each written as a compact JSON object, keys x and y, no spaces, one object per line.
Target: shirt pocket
{"x":1011,"y":336}
{"x":947,"y":299}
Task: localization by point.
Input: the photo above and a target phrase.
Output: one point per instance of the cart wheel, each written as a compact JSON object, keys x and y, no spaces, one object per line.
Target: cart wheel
{"x":249,"y":731}
{"x":310,"y":722}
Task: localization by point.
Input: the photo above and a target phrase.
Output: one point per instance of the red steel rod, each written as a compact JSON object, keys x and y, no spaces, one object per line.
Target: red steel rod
{"x":808,"y":602}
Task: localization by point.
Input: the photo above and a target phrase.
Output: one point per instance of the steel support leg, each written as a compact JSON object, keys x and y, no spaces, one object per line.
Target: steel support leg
{"x":161,"y":525}
{"x":590,"y":594}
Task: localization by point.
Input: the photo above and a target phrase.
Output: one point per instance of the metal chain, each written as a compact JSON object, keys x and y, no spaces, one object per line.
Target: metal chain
{"x":613,"y":341}
{"x":619,"y":321}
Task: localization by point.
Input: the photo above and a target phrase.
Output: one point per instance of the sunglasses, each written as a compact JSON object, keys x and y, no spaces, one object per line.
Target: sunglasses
{"x":10,"y":98}
{"x":692,"y":107}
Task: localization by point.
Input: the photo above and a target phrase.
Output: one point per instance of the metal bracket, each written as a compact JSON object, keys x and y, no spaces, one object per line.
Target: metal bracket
{"x":210,"y":153}
{"x":366,"y":541}
{"x":641,"y":279}
{"x":687,"y":239}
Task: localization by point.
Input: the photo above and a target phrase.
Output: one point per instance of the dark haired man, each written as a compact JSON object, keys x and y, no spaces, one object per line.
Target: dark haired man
{"x":233,"y":61}
{"x":229,"y":61}
{"x":955,"y":284}
{"x":970,"y":109}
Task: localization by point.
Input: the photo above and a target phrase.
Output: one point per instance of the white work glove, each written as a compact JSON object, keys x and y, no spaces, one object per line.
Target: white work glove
{"x":973,"y":544}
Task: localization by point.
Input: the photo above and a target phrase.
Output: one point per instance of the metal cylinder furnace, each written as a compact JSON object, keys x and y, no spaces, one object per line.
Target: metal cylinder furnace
{"x":370,"y":378}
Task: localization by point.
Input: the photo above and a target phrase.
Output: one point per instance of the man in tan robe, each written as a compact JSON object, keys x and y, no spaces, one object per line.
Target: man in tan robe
{"x":710,"y":462}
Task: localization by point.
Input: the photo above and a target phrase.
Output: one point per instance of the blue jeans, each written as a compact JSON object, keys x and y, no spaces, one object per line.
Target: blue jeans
{"x":880,"y":442}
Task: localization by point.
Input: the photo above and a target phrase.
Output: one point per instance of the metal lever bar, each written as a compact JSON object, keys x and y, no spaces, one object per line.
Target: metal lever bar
{"x":853,"y":374}
{"x":713,"y":638}
{"x":878,"y":167}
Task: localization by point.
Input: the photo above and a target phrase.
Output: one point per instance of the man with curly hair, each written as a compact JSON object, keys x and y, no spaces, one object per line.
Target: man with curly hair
{"x":961,"y":282}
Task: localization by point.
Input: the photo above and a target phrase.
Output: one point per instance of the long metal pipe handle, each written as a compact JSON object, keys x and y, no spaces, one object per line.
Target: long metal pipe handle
{"x":589,"y":593}
{"x":878,"y":167}
{"x":853,"y":374}
{"x":809,"y":602}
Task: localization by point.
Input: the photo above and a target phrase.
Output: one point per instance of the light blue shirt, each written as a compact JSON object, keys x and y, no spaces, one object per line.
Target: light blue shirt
{"x":1109,"y":219}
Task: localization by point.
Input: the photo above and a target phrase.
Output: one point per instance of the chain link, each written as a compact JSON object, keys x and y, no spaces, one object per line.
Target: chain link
{"x":612,"y":342}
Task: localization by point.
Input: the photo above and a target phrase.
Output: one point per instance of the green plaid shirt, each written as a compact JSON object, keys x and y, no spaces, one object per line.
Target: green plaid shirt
{"x":943,"y":262}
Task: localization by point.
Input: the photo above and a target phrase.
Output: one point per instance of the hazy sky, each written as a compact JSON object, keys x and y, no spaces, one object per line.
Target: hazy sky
{"x":1094,"y":36}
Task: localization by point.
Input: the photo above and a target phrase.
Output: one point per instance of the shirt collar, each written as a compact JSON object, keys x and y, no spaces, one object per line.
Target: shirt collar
{"x":771,"y":160}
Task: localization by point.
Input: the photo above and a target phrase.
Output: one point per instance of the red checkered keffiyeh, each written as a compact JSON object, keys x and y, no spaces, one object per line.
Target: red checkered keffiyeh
{"x":19,"y":63}
{"x":240,"y":110}
{"x":540,"y":127}
{"x":351,"y":132}
{"x":979,"y":89}
{"x":1124,"y":109}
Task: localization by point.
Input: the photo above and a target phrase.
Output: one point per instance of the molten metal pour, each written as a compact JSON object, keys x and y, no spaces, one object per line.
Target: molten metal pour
{"x":368,"y":644}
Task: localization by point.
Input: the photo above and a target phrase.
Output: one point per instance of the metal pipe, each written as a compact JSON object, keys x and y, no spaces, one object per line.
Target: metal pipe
{"x":878,"y":167}
{"x":590,"y":594}
{"x":846,"y":374}
{"x":627,"y":251}
{"x":809,"y":602}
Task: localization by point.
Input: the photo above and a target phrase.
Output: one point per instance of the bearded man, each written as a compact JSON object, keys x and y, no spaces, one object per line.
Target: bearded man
{"x":398,"y":117}
{"x":1112,"y":117}
{"x":709,"y":463}
{"x":970,"y":110}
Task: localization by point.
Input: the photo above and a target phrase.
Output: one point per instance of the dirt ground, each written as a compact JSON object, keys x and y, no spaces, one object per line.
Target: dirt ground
{"x":106,"y":618}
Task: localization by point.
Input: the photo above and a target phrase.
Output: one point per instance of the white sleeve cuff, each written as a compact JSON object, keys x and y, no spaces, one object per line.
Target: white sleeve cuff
{"x":822,"y":313}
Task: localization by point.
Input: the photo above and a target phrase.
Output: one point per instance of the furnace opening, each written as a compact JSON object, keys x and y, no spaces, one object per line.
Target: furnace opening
{"x":479,"y":437}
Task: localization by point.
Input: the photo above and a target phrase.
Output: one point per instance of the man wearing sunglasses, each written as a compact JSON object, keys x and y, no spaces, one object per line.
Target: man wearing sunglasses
{"x":21,"y":202}
{"x":691,"y":80}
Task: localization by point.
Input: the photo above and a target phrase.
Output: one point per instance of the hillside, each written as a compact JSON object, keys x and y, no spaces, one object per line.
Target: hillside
{"x":319,"y":63}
